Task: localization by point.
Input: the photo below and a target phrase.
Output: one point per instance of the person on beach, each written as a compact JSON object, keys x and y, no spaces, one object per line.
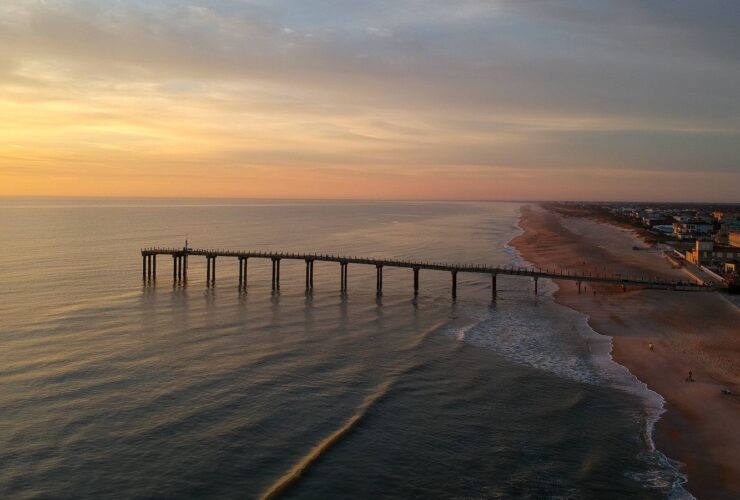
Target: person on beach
{"x":650,"y":345}
{"x":691,"y":377}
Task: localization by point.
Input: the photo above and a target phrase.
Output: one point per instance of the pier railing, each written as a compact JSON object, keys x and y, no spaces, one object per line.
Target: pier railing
{"x":180,"y":270}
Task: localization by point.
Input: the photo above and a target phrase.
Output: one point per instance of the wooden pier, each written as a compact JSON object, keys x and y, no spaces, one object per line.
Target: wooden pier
{"x":180,"y":258}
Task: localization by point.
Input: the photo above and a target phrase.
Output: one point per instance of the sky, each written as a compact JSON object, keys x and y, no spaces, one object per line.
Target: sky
{"x":371,"y":99}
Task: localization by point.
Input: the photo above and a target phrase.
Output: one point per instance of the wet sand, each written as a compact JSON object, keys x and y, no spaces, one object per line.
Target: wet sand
{"x":698,"y":331}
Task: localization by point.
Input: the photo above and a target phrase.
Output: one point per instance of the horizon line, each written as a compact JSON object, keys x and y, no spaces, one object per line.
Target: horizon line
{"x":377,"y":200}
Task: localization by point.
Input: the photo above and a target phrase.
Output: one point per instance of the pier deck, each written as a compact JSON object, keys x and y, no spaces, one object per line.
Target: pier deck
{"x":180,"y":257}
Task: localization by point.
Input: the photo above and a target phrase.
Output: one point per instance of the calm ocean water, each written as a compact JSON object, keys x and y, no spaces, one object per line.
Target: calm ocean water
{"x":110,"y":389}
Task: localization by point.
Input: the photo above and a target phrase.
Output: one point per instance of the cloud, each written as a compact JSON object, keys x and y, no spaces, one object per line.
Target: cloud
{"x":682,"y":28}
{"x":526,"y":84}
{"x":504,"y":64}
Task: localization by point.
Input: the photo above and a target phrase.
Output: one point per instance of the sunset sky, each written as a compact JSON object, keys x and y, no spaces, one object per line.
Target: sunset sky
{"x":379,"y":99}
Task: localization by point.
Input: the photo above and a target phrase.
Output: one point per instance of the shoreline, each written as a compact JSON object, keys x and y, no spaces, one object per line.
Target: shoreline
{"x":689,"y":331}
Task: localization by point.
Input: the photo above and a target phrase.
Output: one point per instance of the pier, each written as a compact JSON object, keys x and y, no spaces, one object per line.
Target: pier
{"x":180,"y":270}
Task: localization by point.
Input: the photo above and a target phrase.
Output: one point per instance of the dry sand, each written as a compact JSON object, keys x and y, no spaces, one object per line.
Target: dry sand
{"x":698,"y":331}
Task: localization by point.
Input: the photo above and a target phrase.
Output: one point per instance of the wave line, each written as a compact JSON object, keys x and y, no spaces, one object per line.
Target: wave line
{"x":289,"y":479}
{"x":294,"y":474}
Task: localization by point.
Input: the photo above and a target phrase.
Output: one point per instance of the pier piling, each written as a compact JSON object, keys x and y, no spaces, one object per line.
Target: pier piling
{"x":210,"y":270}
{"x":343,"y":272}
{"x":309,"y":275}
{"x":241,"y":273}
{"x":454,"y":285}
{"x":245,"y":261}
{"x":275,"y":274}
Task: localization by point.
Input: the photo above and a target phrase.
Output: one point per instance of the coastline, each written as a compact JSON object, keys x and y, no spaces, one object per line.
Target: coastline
{"x":689,"y":331}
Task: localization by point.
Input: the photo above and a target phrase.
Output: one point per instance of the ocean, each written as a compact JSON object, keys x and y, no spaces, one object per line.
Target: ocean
{"x":111,"y":388}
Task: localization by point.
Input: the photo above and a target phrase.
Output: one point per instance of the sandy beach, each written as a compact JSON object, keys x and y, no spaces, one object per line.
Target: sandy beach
{"x":697,"y":331}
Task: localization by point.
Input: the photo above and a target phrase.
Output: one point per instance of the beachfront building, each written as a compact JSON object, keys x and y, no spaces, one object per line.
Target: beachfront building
{"x":654,"y":219}
{"x":726,"y":216}
{"x":683,"y":230}
{"x":722,"y":236}
{"x":681,"y":217}
{"x":666,"y":229}
{"x":733,"y":239}
{"x":706,"y":253}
